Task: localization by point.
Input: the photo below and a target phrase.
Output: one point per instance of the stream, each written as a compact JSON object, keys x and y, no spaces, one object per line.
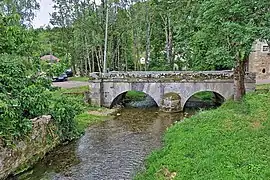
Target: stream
{"x":111,"y":150}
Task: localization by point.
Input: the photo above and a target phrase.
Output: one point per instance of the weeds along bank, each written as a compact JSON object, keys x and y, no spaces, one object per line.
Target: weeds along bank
{"x":231,"y":142}
{"x":25,"y":133}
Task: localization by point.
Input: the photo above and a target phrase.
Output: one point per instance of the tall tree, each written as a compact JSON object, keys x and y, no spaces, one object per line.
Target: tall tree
{"x":25,"y":8}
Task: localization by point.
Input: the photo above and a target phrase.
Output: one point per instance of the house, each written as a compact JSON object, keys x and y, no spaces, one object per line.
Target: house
{"x":50,"y":58}
{"x":259,"y":60}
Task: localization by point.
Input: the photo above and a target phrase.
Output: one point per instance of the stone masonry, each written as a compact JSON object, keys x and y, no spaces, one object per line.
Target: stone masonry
{"x":259,"y":60}
{"x":27,"y":151}
{"x":107,"y":89}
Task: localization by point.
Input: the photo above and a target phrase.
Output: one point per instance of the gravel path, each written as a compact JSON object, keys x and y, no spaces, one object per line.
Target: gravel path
{"x":70,"y":84}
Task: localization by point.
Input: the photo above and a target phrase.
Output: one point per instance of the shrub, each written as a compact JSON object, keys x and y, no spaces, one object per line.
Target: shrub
{"x":63,"y":110}
{"x":24,"y":96}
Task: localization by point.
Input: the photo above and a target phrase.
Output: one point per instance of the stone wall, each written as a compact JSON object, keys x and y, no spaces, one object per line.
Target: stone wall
{"x":167,"y":76}
{"x":259,"y":60}
{"x":24,"y":153}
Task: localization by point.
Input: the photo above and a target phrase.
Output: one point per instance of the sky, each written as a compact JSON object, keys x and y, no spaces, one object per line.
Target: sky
{"x":43,"y":15}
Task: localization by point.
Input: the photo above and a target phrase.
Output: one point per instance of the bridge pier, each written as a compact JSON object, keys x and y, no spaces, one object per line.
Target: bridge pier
{"x":171,"y":102}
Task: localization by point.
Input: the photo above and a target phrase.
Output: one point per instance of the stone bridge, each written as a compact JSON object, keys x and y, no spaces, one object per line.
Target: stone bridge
{"x":106,"y":89}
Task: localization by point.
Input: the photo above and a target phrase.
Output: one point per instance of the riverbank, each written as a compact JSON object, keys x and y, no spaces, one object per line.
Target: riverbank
{"x":45,"y":135}
{"x":231,"y":142}
{"x":91,"y":115}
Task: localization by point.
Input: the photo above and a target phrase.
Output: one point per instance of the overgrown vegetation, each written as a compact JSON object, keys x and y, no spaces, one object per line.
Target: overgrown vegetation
{"x":135,"y":96}
{"x":227,"y":143}
{"x":85,"y":118}
{"x":205,"y":96}
{"x":25,"y":96}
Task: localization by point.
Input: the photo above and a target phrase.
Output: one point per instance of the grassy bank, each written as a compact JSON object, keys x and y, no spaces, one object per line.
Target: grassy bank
{"x":231,"y":142}
{"x":86,"y":118}
{"x":83,"y":79}
{"x":135,"y":95}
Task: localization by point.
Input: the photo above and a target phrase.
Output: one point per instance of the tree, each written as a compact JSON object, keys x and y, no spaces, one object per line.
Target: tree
{"x":16,"y":39}
{"x":224,"y":33}
{"x":25,"y":8}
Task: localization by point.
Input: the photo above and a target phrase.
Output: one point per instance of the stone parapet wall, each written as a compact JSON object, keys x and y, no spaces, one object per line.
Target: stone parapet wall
{"x":24,"y":153}
{"x":169,"y":76}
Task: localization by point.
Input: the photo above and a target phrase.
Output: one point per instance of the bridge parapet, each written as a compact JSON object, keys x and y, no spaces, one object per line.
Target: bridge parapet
{"x":170,"y":76}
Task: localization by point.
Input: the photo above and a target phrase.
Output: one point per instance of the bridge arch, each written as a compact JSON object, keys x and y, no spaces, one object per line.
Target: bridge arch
{"x":220,"y":97}
{"x":121,"y":95}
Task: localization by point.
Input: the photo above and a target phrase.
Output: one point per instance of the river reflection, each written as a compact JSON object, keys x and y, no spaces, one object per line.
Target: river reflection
{"x":112,"y":150}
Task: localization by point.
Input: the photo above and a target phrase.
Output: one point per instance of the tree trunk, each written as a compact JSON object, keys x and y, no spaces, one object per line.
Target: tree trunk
{"x":93,"y":60}
{"x":148,"y":45}
{"x":239,"y":77}
{"x":98,"y":61}
{"x":106,"y":40}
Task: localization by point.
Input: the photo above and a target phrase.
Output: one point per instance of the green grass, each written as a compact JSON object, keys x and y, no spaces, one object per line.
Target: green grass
{"x":263,"y":86}
{"x":85,"y":120}
{"x":205,"y":96}
{"x":83,"y":79}
{"x":135,"y":95}
{"x":231,"y":142}
{"x":75,"y":90}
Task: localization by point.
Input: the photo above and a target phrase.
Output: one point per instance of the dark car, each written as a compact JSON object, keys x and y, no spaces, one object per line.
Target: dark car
{"x":69,"y":72}
{"x":62,"y":77}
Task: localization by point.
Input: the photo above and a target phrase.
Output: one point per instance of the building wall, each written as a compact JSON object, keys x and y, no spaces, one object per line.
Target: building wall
{"x":259,"y":60}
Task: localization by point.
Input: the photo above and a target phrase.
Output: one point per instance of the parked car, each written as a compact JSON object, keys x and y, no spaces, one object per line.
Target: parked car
{"x":69,"y":72}
{"x":62,"y":77}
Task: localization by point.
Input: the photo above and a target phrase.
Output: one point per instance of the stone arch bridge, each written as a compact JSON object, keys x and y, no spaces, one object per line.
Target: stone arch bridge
{"x":108,"y":88}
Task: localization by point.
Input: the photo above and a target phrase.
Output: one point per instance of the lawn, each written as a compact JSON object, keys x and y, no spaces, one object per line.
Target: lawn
{"x":263,"y":86}
{"x":83,"y":79}
{"x":231,"y":142}
{"x":75,"y":90}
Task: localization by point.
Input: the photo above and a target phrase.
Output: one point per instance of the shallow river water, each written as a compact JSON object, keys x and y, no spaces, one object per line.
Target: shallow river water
{"x":111,"y":150}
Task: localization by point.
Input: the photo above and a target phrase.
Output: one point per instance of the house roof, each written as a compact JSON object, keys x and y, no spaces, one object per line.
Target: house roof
{"x":50,"y":57}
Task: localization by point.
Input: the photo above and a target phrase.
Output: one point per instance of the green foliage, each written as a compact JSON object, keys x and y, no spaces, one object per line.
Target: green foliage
{"x":63,"y":110}
{"x":227,"y":143}
{"x":34,"y":101}
{"x":16,"y":39}
{"x":206,"y":95}
{"x":25,"y":96}
{"x":135,"y":95}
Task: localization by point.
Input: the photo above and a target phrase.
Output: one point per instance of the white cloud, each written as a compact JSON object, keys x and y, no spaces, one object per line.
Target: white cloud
{"x":43,"y":16}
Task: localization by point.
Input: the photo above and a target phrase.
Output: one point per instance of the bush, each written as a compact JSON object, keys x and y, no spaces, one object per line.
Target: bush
{"x":63,"y":110}
{"x":24,"y":96}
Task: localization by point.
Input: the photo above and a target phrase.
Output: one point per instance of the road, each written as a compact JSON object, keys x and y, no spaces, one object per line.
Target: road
{"x":264,"y":81}
{"x":70,"y":84}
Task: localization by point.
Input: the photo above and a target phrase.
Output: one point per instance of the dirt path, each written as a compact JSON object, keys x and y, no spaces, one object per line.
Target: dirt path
{"x":70,"y":84}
